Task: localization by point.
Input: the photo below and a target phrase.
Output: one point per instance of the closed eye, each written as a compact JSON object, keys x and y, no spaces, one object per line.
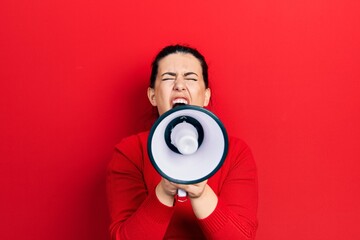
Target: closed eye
{"x":168,"y":76}
{"x":191,"y":76}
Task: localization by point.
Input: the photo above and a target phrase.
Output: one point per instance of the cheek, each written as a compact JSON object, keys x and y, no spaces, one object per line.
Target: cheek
{"x":198,"y":91}
{"x":162,"y":94}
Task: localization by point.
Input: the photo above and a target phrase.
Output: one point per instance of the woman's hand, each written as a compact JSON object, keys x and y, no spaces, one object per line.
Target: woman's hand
{"x":193,"y":190}
{"x":202,"y":197}
{"x":165,"y":192}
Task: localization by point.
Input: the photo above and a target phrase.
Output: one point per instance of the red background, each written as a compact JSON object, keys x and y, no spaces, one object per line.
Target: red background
{"x":285,"y":76}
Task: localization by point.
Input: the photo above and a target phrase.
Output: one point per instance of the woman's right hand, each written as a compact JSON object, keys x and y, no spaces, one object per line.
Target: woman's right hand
{"x":165,"y":192}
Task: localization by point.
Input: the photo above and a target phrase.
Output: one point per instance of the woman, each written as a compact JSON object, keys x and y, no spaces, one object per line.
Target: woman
{"x":143,"y":205}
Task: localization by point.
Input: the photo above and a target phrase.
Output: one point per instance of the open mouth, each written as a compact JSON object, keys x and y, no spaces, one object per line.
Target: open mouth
{"x":179,"y":102}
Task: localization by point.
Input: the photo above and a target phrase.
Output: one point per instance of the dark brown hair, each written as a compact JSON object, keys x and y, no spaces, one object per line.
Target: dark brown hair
{"x":178,"y":49}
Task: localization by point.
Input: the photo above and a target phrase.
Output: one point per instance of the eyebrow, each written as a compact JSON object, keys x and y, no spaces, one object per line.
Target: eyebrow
{"x":169,"y":73}
{"x":189,"y":73}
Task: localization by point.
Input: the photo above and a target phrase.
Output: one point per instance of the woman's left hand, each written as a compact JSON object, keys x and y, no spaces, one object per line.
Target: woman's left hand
{"x":202,"y":197}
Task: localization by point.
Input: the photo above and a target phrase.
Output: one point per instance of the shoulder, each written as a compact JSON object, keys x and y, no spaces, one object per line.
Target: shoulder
{"x":133,"y":144}
{"x":237,"y":144}
{"x":130,"y":150}
{"x":239,"y":151}
{"x":132,"y":140}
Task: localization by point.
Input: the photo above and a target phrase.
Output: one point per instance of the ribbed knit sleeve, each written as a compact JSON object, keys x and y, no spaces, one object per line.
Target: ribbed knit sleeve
{"x":224,"y":224}
{"x":136,"y":213}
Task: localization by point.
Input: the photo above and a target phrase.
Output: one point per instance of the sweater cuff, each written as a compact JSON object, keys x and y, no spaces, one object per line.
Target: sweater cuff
{"x":216,"y":220}
{"x":155,"y":210}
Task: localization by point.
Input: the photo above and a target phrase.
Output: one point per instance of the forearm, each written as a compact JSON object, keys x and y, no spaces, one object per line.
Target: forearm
{"x":217,"y":220}
{"x":205,"y":204}
{"x":223,"y":223}
{"x":235,"y":215}
{"x":150,"y":219}
{"x":165,"y":192}
{"x":136,"y":212}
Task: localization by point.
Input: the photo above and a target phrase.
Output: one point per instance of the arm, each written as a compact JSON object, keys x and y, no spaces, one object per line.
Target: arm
{"x":136,"y":212}
{"x":232,"y":213}
{"x":203,"y":198}
{"x":234,"y":216}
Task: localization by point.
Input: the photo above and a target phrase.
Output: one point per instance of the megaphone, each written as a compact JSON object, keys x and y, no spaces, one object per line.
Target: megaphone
{"x":187,"y":144}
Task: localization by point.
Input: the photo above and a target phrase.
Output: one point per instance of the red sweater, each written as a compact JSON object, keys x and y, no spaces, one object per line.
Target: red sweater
{"x":136,"y":213}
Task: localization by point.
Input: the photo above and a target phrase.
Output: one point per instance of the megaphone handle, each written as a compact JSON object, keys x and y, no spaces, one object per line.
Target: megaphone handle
{"x":181,"y":193}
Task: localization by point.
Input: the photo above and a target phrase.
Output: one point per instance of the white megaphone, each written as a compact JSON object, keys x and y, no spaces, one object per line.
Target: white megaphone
{"x":187,"y":145}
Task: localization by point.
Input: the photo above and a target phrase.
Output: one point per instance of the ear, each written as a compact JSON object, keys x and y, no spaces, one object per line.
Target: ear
{"x":207,"y":97}
{"x":151,"y":96}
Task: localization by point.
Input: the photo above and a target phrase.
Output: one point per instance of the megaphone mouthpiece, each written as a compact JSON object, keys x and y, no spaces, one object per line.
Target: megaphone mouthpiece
{"x":184,"y":137}
{"x":184,"y":134}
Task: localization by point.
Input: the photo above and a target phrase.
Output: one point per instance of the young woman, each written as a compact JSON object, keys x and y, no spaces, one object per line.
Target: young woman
{"x":142,"y":203}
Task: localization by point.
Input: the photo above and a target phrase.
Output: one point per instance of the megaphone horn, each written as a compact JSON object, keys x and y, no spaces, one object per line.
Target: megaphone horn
{"x":187,"y":144}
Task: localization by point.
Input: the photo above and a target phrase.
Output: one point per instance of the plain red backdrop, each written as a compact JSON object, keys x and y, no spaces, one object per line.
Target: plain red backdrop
{"x":285,"y":76}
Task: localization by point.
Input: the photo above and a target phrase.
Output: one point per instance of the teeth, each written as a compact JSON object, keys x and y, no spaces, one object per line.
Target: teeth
{"x":180,"y":100}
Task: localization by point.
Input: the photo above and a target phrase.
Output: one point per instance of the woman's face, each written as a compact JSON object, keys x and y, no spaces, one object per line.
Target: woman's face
{"x":179,"y":80}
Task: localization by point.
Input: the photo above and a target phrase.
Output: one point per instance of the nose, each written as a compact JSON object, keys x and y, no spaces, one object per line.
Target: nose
{"x":179,"y":84}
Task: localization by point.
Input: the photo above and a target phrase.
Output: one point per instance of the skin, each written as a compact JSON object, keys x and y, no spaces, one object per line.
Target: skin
{"x":180,"y":79}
